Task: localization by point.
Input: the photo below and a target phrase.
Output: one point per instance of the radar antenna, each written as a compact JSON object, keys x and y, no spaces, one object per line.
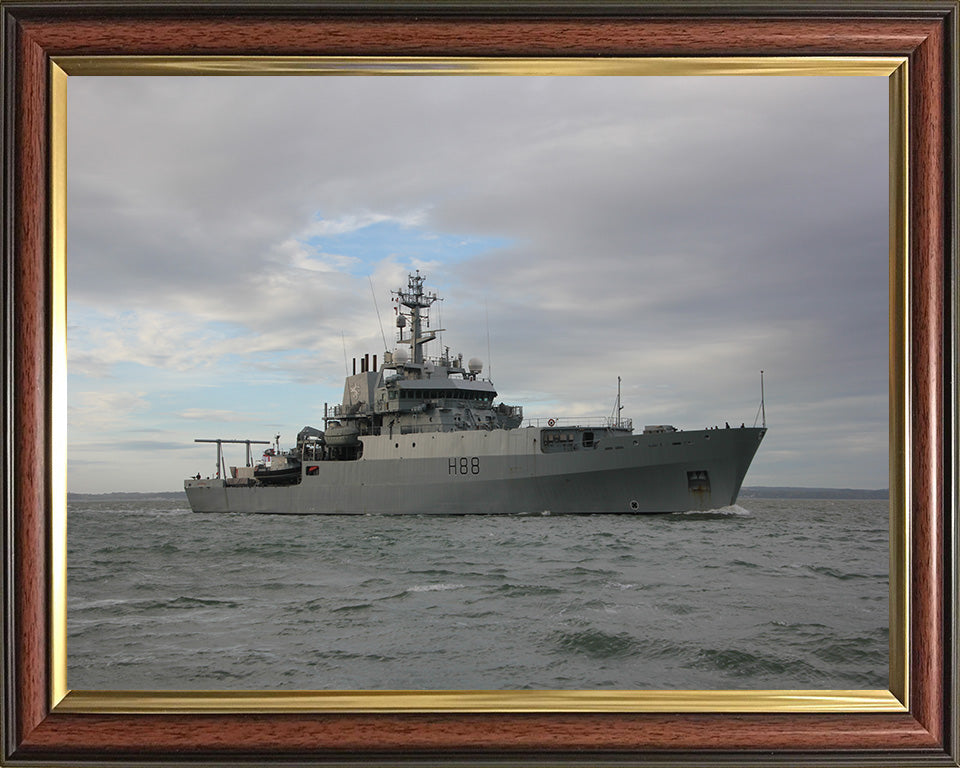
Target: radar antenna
{"x":415,"y":300}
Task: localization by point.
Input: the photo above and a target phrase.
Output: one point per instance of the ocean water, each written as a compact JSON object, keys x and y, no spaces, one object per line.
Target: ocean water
{"x":776,"y":593}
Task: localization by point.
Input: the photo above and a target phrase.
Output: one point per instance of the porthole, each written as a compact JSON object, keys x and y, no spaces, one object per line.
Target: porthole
{"x":634,"y":505}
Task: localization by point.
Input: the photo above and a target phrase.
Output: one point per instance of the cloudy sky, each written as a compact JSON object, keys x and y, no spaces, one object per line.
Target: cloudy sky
{"x":682,"y":233}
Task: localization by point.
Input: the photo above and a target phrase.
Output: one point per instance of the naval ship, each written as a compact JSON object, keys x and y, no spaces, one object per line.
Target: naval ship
{"x":425,"y":435}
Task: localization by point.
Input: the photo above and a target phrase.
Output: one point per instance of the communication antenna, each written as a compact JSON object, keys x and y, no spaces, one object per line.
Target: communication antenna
{"x":440,"y":321}
{"x":619,"y":403}
{"x":617,"y":407}
{"x":376,"y":307}
{"x":762,"y":409}
{"x":486,"y":312}
{"x":346,"y":366}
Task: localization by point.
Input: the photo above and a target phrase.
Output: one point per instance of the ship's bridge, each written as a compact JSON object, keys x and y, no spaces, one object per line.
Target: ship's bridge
{"x":444,"y":388}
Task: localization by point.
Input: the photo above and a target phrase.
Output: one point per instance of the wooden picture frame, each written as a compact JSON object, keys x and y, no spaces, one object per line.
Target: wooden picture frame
{"x":38,"y":729}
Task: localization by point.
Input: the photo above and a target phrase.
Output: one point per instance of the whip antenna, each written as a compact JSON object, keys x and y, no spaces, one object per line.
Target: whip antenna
{"x":761,"y":410}
{"x":376,"y":307}
{"x":486,"y":312}
{"x":762,"y":407}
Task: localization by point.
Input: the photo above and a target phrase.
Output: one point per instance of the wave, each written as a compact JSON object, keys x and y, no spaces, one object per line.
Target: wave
{"x":434,"y":587}
{"x":432,"y":572}
{"x":207,"y":602}
{"x":835,"y":573}
{"x":526,"y":590}
{"x":740,"y":663}
{"x":351,"y":608}
{"x":854,"y":650}
{"x":152,"y":604}
{"x":734,"y":510}
{"x":376,"y":581}
{"x":597,"y":644}
{"x":164,"y":548}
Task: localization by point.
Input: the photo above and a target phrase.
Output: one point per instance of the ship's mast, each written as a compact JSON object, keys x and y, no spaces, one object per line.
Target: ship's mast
{"x":763,"y":408}
{"x":415,"y":299}
{"x":619,"y":406}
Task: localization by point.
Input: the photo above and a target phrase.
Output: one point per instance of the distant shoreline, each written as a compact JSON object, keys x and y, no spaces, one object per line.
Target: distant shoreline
{"x":755,"y":492}
{"x":121,"y":496}
{"x":786,"y":492}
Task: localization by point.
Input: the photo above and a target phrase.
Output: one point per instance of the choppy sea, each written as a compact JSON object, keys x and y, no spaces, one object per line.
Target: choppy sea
{"x":776,"y":593}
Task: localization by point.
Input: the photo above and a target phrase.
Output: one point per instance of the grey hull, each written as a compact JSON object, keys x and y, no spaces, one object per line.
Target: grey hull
{"x":505,"y":472}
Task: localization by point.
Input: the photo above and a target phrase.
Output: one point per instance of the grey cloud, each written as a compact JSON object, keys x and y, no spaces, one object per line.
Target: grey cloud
{"x":137,"y":446}
{"x":645,"y":219}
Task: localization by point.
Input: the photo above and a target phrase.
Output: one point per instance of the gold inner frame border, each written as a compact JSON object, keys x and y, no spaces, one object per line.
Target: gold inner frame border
{"x":64,"y":700}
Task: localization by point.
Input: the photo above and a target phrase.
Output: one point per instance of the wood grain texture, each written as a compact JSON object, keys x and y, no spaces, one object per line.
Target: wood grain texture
{"x":29,"y":372}
{"x":927,"y":161}
{"x":425,"y":37}
{"x":919,"y":734}
{"x":294,"y":735}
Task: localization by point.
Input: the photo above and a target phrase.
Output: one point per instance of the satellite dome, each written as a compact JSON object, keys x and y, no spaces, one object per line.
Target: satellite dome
{"x":475,"y":365}
{"x":401,"y":321}
{"x":400,"y":355}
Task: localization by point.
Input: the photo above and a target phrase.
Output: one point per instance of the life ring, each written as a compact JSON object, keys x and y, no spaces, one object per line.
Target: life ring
{"x":551,"y":422}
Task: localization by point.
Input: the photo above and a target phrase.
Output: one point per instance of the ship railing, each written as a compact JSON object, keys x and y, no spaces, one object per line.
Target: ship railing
{"x":440,"y":360}
{"x":345,"y":411}
{"x":581,"y":422}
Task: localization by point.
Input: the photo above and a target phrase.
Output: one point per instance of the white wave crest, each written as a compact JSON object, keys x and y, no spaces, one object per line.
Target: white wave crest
{"x":734,"y":510}
{"x":434,"y":587}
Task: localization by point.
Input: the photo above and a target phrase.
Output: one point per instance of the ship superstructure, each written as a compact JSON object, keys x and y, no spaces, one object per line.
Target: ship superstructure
{"x":412,"y":393}
{"x":425,"y":435}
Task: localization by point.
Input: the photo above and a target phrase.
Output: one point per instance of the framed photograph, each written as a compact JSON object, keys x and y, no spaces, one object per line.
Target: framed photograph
{"x":404,"y":586}
{"x":576,"y":61}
